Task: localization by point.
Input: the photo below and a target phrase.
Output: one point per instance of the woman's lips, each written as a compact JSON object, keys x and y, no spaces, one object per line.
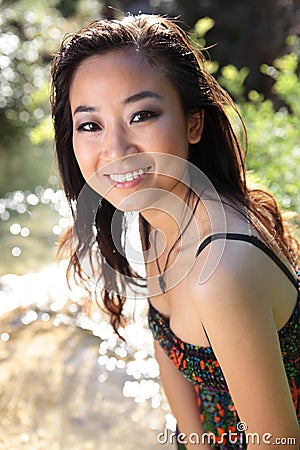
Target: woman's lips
{"x":128,"y":179}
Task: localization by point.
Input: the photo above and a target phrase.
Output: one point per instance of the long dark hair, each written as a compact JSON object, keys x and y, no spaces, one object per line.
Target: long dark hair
{"x":219,"y":154}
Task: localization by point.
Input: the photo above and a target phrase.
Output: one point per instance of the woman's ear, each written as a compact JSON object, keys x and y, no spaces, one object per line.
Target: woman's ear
{"x":195,"y":127}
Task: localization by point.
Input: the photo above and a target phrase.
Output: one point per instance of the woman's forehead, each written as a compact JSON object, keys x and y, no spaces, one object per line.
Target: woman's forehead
{"x":119,"y":68}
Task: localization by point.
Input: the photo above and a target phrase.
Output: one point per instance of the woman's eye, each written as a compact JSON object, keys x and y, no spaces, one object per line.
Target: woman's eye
{"x":89,"y":127}
{"x":142,"y":116}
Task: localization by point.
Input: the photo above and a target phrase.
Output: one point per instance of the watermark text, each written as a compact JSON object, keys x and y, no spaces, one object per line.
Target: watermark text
{"x":241,"y":436}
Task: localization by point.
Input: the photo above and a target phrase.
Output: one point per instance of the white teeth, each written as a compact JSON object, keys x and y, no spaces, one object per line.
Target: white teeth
{"x":118,"y":178}
{"x":129,"y":176}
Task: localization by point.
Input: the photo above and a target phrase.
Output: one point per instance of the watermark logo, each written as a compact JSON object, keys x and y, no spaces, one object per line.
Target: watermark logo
{"x":162,"y":185}
{"x":241,"y":436}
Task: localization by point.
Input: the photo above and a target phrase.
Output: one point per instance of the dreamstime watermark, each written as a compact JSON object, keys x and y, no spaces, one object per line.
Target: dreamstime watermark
{"x":241,"y":436}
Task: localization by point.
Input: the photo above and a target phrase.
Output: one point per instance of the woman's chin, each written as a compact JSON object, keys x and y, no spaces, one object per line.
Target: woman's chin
{"x":138,"y":201}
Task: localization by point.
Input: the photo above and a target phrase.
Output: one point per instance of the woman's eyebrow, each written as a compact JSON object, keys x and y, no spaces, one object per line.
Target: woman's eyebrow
{"x":85,"y":108}
{"x":141,"y":96}
{"x":133,"y":98}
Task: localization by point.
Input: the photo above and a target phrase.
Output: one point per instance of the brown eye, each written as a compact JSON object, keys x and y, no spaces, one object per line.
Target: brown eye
{"x":142,"y":116}
{"x":89,"y":127}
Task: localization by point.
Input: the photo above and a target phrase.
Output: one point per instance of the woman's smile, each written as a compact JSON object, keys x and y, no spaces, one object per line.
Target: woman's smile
{"x":128,"y":179}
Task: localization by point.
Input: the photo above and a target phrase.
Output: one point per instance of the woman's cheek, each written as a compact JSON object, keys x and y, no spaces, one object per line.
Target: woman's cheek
{"x":83,"y":162}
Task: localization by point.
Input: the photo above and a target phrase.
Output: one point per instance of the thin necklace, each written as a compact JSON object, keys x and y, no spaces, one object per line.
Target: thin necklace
{"x":161,"y":277}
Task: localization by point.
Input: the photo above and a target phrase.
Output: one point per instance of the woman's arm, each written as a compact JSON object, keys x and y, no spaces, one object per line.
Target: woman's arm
{"x":235,"y":308}
{"x":181,"y":397}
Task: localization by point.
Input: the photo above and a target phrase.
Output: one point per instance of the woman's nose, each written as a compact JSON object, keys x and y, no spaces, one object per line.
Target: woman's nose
{"x":117,"y":143}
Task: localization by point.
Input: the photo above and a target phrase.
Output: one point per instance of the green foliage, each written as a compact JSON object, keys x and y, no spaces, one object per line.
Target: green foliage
{"x":274,"y":135}
{"x":287,"y":85}
{"x":25,"y":53}
{"x":202,"y":26}
{"x":233,"y":80}
{"x":29,"y":33}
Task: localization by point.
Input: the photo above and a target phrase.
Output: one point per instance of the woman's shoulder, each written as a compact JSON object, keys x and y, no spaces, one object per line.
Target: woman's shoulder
{"x":230,"y":272}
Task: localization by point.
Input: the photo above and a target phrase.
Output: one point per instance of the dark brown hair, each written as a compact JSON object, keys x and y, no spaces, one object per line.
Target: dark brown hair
{"x":218,"y":154}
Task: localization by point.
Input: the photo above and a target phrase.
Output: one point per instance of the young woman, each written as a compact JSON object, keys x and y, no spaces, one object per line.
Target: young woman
{"x":141,"y":126}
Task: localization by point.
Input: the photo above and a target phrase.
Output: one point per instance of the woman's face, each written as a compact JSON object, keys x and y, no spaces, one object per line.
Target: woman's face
{"x":128,"y":129}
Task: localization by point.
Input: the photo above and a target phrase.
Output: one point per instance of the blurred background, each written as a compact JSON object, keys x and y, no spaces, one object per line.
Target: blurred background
{"x":66,"y":382}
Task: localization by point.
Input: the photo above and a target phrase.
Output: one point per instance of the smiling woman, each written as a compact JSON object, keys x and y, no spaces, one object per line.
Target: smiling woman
{"x":141,"y":126}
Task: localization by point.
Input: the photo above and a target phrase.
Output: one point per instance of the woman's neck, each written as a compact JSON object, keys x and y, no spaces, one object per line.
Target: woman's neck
{"x":171,"y":219}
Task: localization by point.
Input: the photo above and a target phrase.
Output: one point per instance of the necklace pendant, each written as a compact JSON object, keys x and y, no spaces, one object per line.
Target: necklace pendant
{"x":162,"y":283}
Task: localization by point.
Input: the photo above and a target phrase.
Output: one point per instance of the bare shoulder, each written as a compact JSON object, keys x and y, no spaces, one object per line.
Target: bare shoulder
{"x":230,"y":275}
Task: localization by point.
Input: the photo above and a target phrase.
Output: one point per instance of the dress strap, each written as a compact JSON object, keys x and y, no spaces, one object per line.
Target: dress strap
{"x":254,"y":241}
{"x":206,"y":334}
